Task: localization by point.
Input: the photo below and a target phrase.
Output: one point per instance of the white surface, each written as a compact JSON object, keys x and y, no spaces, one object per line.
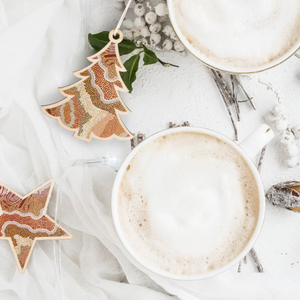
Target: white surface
{"x":38,"y":41}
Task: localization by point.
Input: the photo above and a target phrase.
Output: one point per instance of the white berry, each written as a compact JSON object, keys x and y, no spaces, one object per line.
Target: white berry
{"x":167,"y":44}
{"x":135,"y":32}
{"x":178,"y":46}
{"x":119,"y":5}
{"x":128,"y":34}
{"x":287,"y":137}
{"x":281,"y":125}
{"x":145,"y":32}
{"x":162,"y":19}
{"x":155,"y":28}
{"x":168,"y":29}
{"x":173,"y":36}
{"x":144,"y":41}
{"x":271,"y":118}
{"x":128,"y":24}
{"x":278,"y":110}
{"x":292,"y":162}
{"x":139,"y":10}
{"x":161,"y":9}
{"x":296,"y":131}
{"x":151,"y":17}
{"x":155,"y":38}
{"x":291,"y":150}
{"x":139,"y":22}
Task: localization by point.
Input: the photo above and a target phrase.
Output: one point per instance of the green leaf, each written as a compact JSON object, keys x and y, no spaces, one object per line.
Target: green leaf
{"x":126,"y":47}
{"x":131,"y":65}
{"x":100,"y":40}
{"x":150,"y":57}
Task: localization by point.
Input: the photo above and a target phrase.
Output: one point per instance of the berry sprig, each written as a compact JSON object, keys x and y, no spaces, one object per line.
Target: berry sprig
{"x":150,"y":25}
{"x":288,"y":135}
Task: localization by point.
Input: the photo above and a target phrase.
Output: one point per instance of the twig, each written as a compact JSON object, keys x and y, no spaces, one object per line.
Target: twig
{"x":240,"y":267}
{"x":166,"y":65}
{"x":256,"y":261}
{"x":244,"y":91}
{"x":220,"y":86}
{"x":173,"y":125}
{"x":137,"y":139}
{"x":237,"y":107}
{"x":262,"y":155}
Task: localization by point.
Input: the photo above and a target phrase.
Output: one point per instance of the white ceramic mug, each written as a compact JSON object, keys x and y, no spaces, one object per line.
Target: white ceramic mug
{"x":212,"y":64}
{"x":248,"y":149}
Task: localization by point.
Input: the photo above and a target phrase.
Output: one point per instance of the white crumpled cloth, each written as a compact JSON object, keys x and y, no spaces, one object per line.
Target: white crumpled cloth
{"x":39,"y":42}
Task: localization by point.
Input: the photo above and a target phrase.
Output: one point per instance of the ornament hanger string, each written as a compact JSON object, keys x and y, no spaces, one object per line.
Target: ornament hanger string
{"x":122,"y":17}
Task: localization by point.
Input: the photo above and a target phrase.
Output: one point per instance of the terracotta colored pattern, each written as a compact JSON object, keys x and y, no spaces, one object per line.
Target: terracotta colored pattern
{"x":92,"y":105}
{"x":23,"y":220}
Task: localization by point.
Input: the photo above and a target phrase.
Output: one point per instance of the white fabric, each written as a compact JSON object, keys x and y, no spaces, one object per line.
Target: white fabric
{"x":38,"y":41}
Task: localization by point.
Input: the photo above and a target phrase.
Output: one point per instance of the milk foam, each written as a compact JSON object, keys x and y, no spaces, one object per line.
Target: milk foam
{"x":239,"y":33}
{"x":188,"y":203}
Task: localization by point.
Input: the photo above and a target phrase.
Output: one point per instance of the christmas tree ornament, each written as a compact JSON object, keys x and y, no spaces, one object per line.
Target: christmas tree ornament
{"x":23,"y":221}
{"x":93,"y":105}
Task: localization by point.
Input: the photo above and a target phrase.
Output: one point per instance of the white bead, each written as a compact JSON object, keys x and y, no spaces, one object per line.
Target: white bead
{"x":167,"y":44}
{"x":127,"y":24}
{"x":161,"y":9}
{"x":178,"y":46}
{"x":128,"y":34}
{"x":162,"y":19}
{"x":132,"y":4}
{"x":119,"y":5}
{"x":292,"y":162}
{"x":278,"y":110}
{"x":139,"y":10}
{"x":155,"y":38}
{"x":155,"y":28}
{"x":296,"y":131}
{"x":135,"y":32}
{"x":151,"y":17}
{"x":145,"y":32}
{"x":269,"y":117}
{"x":287,"y":137}
{"x":139,"y":22}
{"x":281,"y":125}
{"x":291,"y":150}
{"x":173,"y":36}
{"x":168,"y":29}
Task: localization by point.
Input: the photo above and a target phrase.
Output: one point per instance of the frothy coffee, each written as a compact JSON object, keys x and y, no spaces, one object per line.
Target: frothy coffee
{"x":239,"y":34}
{"x":188,"y":203}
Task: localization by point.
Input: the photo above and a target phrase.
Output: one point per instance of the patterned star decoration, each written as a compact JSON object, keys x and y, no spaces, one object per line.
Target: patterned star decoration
{"x":23,"y":221}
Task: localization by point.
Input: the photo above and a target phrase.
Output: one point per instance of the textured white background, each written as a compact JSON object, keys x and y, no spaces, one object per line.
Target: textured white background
{"x":41,"y":43}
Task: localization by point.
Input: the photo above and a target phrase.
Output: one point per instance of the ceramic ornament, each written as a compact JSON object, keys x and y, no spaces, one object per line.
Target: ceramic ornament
{"x":92,"y":106}
{"x":23,"y":221}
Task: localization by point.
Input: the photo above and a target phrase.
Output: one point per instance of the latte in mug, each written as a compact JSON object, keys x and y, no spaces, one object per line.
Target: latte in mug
{"x":238,"y":34}
{"x":188,"y":203}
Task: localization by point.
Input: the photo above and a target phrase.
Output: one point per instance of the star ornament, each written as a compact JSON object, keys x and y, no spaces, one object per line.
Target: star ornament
{"x":23,"y":221}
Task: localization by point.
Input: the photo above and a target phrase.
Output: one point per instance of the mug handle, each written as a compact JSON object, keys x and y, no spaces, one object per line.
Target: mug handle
{"x":259,"y":138}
